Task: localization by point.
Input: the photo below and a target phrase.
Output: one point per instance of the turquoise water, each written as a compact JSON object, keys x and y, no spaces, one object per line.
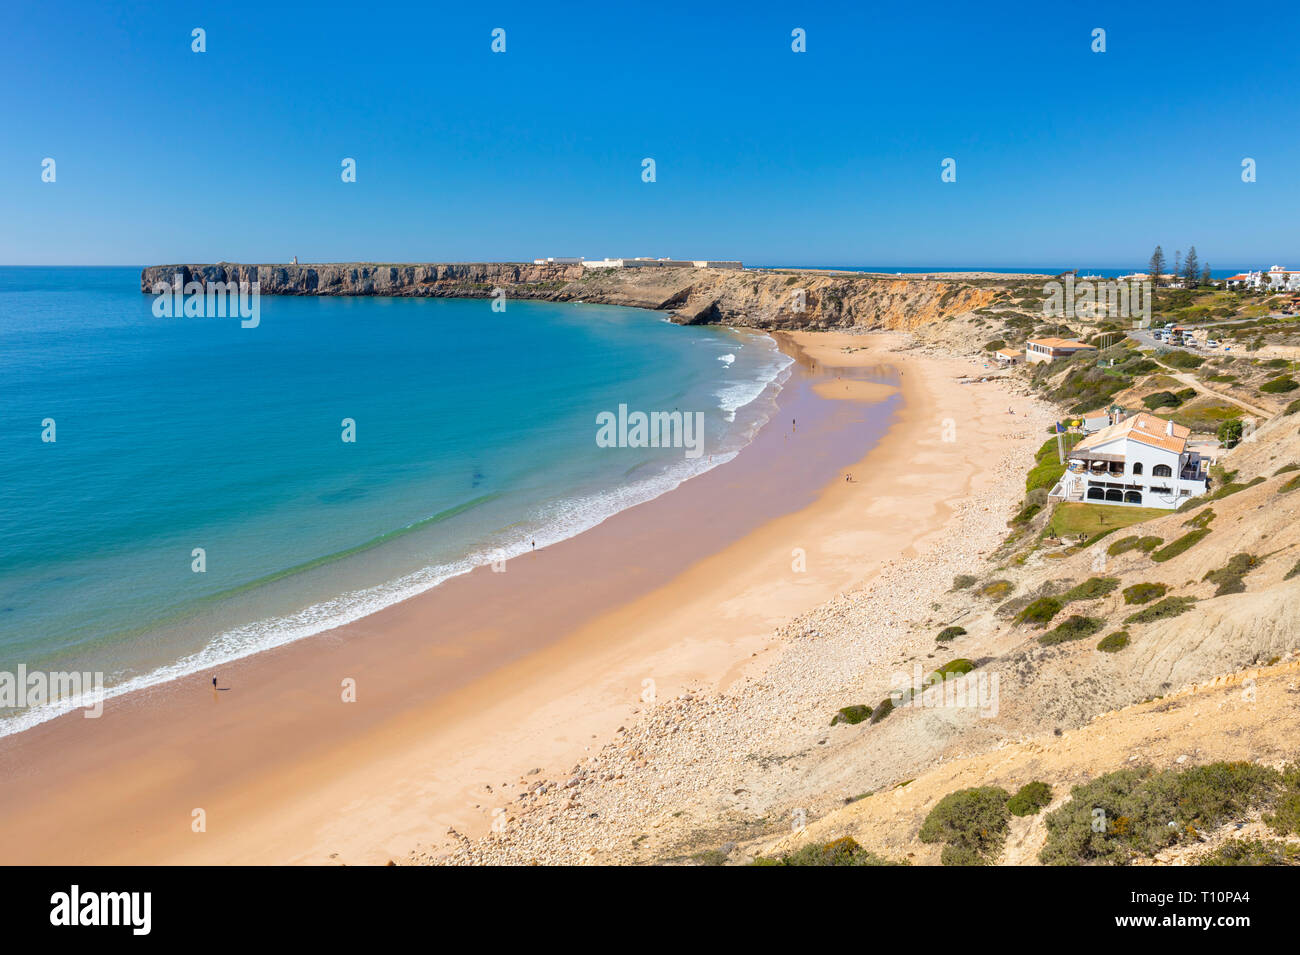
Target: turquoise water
{"x":475,"y":435}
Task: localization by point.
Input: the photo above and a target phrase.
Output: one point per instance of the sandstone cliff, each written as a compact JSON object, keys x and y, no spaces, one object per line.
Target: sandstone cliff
{"x":767,"y":299}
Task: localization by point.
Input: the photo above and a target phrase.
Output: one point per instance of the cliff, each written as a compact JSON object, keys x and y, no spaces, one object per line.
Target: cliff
{"x":783,"y":299}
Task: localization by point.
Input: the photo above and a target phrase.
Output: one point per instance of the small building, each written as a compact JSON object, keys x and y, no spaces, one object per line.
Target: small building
{"x":554,"y":260}
{"x":716,"y":264}
{"x":1050,"y":349}
{"x":1009,"y":356}
{"x":1141,"y":461}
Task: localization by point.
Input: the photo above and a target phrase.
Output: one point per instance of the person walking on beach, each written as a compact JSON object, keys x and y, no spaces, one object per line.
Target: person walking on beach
{"x":214,"y":683}
{"x":534,"y":545}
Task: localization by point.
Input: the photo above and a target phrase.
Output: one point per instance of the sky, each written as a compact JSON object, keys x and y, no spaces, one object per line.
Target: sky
{"x":1064,"y":156}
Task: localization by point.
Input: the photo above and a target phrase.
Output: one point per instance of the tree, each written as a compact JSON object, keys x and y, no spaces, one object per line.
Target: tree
{"x":1156,"y":268}
{"x":1191,"y":267}
{"x":1178,"y":264}
{"x":1230,"y":433}
{"x":1205,"y":275}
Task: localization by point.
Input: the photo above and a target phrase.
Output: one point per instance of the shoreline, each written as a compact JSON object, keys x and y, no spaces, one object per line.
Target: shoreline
{"x":284,"y":773}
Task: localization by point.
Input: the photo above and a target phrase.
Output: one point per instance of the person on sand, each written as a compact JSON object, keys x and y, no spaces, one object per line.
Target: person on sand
{"x":214,"y":683}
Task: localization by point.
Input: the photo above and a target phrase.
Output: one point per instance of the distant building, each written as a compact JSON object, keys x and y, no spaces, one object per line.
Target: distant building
{"x":553,"y":260}
{"x":1276,"y":279}
{"x":644,"y":262}
{"x":716,"y":264}
{"x":1049,"y":349}
{"x":1009,"y":356}
{"x":1141,"y":461}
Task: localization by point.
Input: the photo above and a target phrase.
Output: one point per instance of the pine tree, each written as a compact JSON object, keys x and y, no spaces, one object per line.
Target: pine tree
{"x":1191,"y":268}
{"x":1205,"y":275}
{"x":1155,"y":269}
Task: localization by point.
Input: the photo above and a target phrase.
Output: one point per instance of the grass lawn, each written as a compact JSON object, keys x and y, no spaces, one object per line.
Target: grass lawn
{"x":1206,"y":414}
{"x":1071,"y":519}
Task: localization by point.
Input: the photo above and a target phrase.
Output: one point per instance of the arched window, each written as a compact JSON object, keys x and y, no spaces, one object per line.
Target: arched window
{"x":1114,"y":494}
{"x":1096,"y":494}
{"x":1137,"y":467}
{"x":1132,"y":497}
{"x":1162,"y":470}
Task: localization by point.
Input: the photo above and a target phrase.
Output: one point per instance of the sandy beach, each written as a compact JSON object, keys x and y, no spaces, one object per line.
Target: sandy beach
{"x":469,"y":691}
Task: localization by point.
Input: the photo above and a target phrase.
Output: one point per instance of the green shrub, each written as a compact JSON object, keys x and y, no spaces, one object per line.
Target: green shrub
{"x":1125,"y":544}
{"x":948,"y":633}
{"x":1030,"y":799}
{"x":1074,"y":628}
{"x":1114,"y":642}
{"x":973,"y":822}
{"x":1180,"y":545}
{"x":1253,"y":852}
{"x":1229,"y":433}
{"x":962,"y":581}
{"x":1286,"y":469}
{"x":1169,"y":607}
{"x":1228,"y":578}
{"x":996,"y":589}
{"x":1040,"y":611}
{"x":1290,"y":485}
{"x":1182,"y":359}
{"x":1091,"y":589}
{"x":853,"y":715}
{"x":1135,"y":812}
{"x":844,"y":851}
{"x":1279,"y":385}
{"x":1144,"y":593}
{"x":1161,"y":399}
{"x":1293,"y":572}
{"x":954,"y":668}
{"x":1293,"y":407}
{"x":994,"y":345}
{"x":883,"y":709}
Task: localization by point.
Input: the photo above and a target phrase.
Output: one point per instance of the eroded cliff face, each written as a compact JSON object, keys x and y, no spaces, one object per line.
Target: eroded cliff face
{"x":769,"y":300}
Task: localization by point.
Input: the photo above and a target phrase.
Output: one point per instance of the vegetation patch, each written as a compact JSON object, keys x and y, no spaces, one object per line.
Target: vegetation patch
{"x":972,"y":824}
{"x":963,"y":581}
{"x":1290,"y":485}
{"x":1253,"y":852}
{"x":1091,"y":589}
{"x":1180,"y":545}
{"x":996,"y":589}
{"x":1228,"y":578}
{"x":1040,"y":611}
{"x":1137,"y":812}
{"x":1224,"y":490}
{"x":1030,"y":799}
{"x":1293,"y":572}
{"x":1074,"y":628}
{"x":845,"y":851}
{"x":948,"y":633}
{"x":1114,"y":642}
{"x":1169,"y":607}
{"x":1279,"y":385}
{"x":1071,"y":519}
{"x":883,"y":709}
{"x":1126,"y":544}
{"x":1144,"y":593}
{"x":853,"y":715}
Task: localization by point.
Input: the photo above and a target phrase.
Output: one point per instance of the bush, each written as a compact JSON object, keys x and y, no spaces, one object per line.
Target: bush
{"x":1030,"y":799}
{"x":1091,"y":589}
{"x":1293,"y":407}
{"x":1144,"y":593}
{"x":1253,"y":852}
{"x":883,"y":709}
{"x":853,"y":715}
{"x":1290,"y":485}
{"x":1161,"y":399}
{"x":1180,"y":545}
{"x":962,"y":581}
{"x":1183,"y":359}
{"x":947,"y":633}
{"x":1040,"y":611}
{"x":1125,"y":544}
{"x":996,"y":589}
{"x":1074,"y":628}
{"x":1228,"y":578}
{"x":1279,"y":385}
{"x":1169,"y":607}
{"x":845,"y":851}
{"x":994,"y":345}
{"x":1115,"y":642}
{"x":971,"y":822}
{"x":1139,"y":812}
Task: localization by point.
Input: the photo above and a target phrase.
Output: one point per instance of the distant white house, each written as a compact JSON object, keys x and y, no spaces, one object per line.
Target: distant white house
{"x":1050,"y":349}
{"x":1276,"y":279}
{"x":555,"y":260}
{"x":644,"y":262}
{"x":1141,"y":461}
{"x":1009,"y":356}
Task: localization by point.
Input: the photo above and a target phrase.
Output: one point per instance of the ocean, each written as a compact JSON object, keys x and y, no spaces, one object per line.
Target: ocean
{"x":199,"y":501}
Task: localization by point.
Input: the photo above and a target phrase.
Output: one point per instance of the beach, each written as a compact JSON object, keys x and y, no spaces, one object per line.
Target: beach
{"x":408,"y":728}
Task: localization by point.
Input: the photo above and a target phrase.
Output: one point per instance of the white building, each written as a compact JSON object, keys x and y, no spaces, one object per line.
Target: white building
{"x":1141,"y":461}
{"x":1276,"y":279}
{"x":1009,"y":356}
{"x":553,"y":260}
{"x":643,"y":262}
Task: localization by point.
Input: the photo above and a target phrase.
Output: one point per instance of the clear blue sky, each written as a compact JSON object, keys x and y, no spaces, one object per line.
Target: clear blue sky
{"x":1064,"y":157}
